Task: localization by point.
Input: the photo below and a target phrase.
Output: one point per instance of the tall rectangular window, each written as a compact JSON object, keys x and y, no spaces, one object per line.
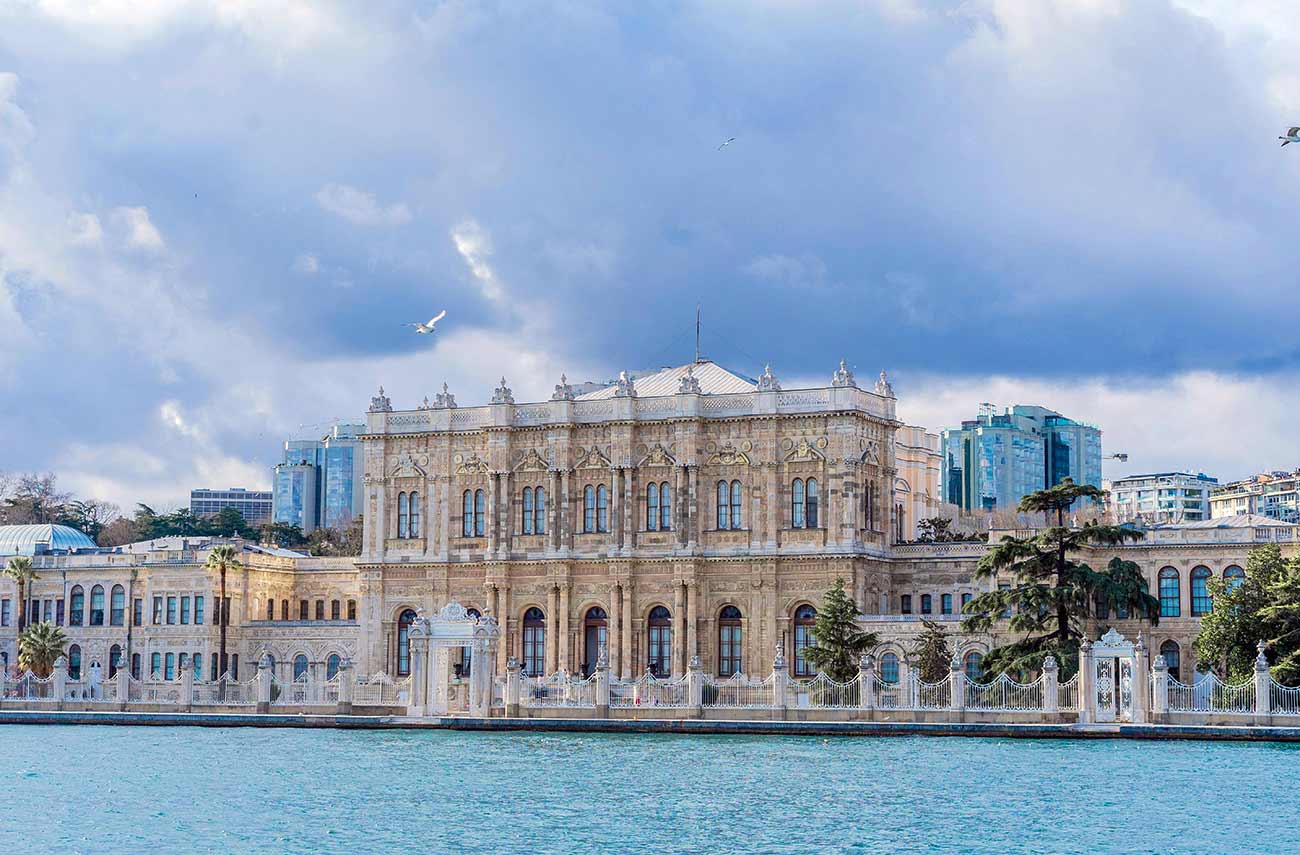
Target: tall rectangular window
{"x":198,"y":609}
{"x":5,"y":606}
{"x":303,"y":614}
{"x":906,"y":604}
{"x":335,"y":609}
{"x":58,"y":612}
{"x":320,"y":610}
{"x":157,"y":610}
{"x":137,"y":611}
{"x":352,"y":609}
{"x":171,"y":610}
{"x":225,"y":612}
{"x":945,"y":604}
{"x":185,"y":610}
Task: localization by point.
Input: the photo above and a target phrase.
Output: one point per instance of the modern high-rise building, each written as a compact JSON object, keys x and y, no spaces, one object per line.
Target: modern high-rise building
{"x":991,"y":461}
{"x":319,"y":482}
{"x":1270,"y":494}
{"x":1162,"y":497}
{"x":255,"y":505}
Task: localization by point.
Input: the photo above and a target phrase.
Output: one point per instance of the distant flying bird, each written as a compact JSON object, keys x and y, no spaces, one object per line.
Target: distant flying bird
{"x":727,"y":143}
{"x":424,"y":329}
{"x":1292,"y":135}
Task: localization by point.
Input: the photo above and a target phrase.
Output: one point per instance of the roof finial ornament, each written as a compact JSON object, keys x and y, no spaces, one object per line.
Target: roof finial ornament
{"x":502,"y":394}
{"x":380,"y":403}
{"x":843,"y":377}
{"x":883,"y":388}
{"x":689,"y":384}
{"x":444,"y":400}
{"x":624,"y":386}
{"x":768,"y":382}
{"x":563,"y":391}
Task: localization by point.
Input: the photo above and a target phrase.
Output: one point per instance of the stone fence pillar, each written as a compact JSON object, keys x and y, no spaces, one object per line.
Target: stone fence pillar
{"x":1160,"y":689}
{"x":1141,"y":685}
{"x":420,"y":674}
{"x":1263,"y":687}
{"x":513,"y":673}
{"x":347,"y":681}
{"x":1051,"y":682}
{"x":1087,"y":684}
{"x":695,"y":686}
{"x":187,"y":689}
{"x":264,"y":684}
{"x":956,"y":684}
{"x":60,"y":685}
{"x":4,"y":676}
{"x":123,"y":684}
{"x":867,"y":682}
{"x":602,"y":683}
{"x":780,"y":684}
{"x":480,"y":680}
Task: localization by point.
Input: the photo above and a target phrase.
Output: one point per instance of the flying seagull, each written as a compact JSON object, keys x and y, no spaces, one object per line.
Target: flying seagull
{"x":1292,"y":135}
{"x":729,"y":141}
{"x":424,"y":329}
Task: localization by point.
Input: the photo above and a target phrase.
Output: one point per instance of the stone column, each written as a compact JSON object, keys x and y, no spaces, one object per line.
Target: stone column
{"x":4,"y":675}
{"x":692,"y":620}
{"x":867,"y":682}
{"x":503,"y":622}
{"x":1051,"y":704}
{"x":629,"y":512}
{"x":565,"y":663}
{"x":187,"y":688}
{"x":60,"y":676}
{"x":123,"y":685}
{"x":507,"y":532}
{"x":627,"y":631}
{"x":264,"y":684}
{"x":780,"y":685}
{"x":602,"y":683}
{"x":1087,"y":686}
{"x":1159,"y":689}
{"x":679,"y":624}
{"x":695,"y":686}
{"x":693,"y":507}
{"x":956,"y":684}
{"x":553,"y":511}
{"x":679,"y":505}
{"x":566,"y":518}
{"x":1141,"y":686}
{"x":346,"y":681}
{"x":614,"y":633}
{"x":421,"y":669}
{"x":513,"y":674}
{"x":552,"y":630}
{"x":1263,"y":687}
{"x":492,"y":514}
{"x":832,"y":507}
{"x":615,"y":510}
{"x":480,"y":682}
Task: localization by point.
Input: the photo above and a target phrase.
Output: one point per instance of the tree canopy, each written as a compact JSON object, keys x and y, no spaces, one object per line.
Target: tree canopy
{"x":840,"y":641}
{"x":1048,"y":595}
{"x":931,"y":654}
{"x":1265,"y":606}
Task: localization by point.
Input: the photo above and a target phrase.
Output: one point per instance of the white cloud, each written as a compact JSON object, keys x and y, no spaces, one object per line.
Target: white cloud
{"x":85,"y":230}
{"x":359,"y":207}
{"x":306,"y":265}
{"x":138,"y":231}
{"x":475,"y":246}
{"x":804,"y":271}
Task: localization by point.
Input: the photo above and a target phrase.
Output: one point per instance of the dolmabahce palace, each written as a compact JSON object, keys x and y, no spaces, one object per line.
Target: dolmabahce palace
{"x":687,"y":512}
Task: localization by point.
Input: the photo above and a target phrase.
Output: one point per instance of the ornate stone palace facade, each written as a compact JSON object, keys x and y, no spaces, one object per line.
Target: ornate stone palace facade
{"x":687,"y":512}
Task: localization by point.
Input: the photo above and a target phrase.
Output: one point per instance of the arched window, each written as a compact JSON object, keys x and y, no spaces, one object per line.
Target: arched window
{"x":730,"y":642}
{"x":97,"y":605}
{"x":1169,"y":593}
{"x":77,"y":609}
{"x":724,"y":507}
{"x":403,"y":515}
{"x":659,"y":642}
{"x":299,"y":666}
{"x":1201,"y":604}
{"x":74,"y":662}
{"x":114,"y":657}
{"x":805,"y":618}
{"x":797,"y":504}
{"x":332,"y":666}
{"x":169,"y":668}
{"x":467,"y":514}
{"x":1233,"y":578}
{"x":811,"y":514}
{"x":652,"y":507}
{"x":889,"y":668}
{"x":665,"y":507}
{"x":927,"y":604}
{"x":234,"y":666}
{"x":284,"y":610}
{"x":974,"y":665}
{"x":404,"y":642}
{"x":117,"y":606}
{"x":480,"y":513}
{"x":415,"y":515}
{"x":181,"y":662}
{"x":155,"y":666}
{"x":539,"y":510}
{"x":527,"y":515}
{"x":534,"y":642}
{"x":595,"y":634}
{"x":737,"y":521}
{"x":602,"y":508}
{"x":588,"y":509}
{"x":905,"y":604}
{"x":1169,"y":650}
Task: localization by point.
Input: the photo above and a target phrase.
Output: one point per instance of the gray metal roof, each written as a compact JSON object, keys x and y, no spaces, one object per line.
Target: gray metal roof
{"x":1238,"y":521}
{"x":714,"y":380}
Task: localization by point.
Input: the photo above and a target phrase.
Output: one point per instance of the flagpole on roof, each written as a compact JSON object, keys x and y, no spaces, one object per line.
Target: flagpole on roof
{"x":697,"y":333}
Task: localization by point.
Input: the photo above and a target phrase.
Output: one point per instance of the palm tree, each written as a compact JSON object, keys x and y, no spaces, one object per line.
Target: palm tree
{"x":39,"y":647}
{"x":221,"y":558}
{"x":19,"y":568}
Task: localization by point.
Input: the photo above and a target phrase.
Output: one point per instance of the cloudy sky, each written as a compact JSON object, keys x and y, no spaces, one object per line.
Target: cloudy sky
{"x":215,"y":214}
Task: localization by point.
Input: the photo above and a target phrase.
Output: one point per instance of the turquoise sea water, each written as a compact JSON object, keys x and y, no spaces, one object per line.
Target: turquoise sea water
{"x":178,"y":790}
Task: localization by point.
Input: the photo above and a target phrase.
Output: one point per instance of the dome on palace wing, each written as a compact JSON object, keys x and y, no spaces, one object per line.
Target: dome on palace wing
{"x":22,"y":539}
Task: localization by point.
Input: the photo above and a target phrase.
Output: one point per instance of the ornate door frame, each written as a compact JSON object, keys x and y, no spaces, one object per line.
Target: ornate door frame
{"x":1114,"y":664}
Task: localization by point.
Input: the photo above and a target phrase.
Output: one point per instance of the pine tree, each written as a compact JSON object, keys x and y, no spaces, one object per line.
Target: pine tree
{"x":840,"y":641}
{"x":1050,"y":595}
{"x":931,"y":654}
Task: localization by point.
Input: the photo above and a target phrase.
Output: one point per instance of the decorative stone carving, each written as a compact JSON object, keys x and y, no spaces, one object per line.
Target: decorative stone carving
{"x":882,"y":386}
{"x":843,"y":377}
{"x":624,"y":386}
{"x":409,"y":466}
{"x":563,"y":391}
{"x":444,"y":400}
{"x":380,"y":403}
{"x":729,"y":455}
{"x":471,"y":465}
{"x":594,"y":459}
{"x":425,"y":405}
{"x":806,"y":451}
{"x":689,"y":384}
{"x":658,"y":456}
{"x":532,"y":461}
{"x":871,"y":452}
{"x":502,"y":394}
{"x":768,"y":382}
